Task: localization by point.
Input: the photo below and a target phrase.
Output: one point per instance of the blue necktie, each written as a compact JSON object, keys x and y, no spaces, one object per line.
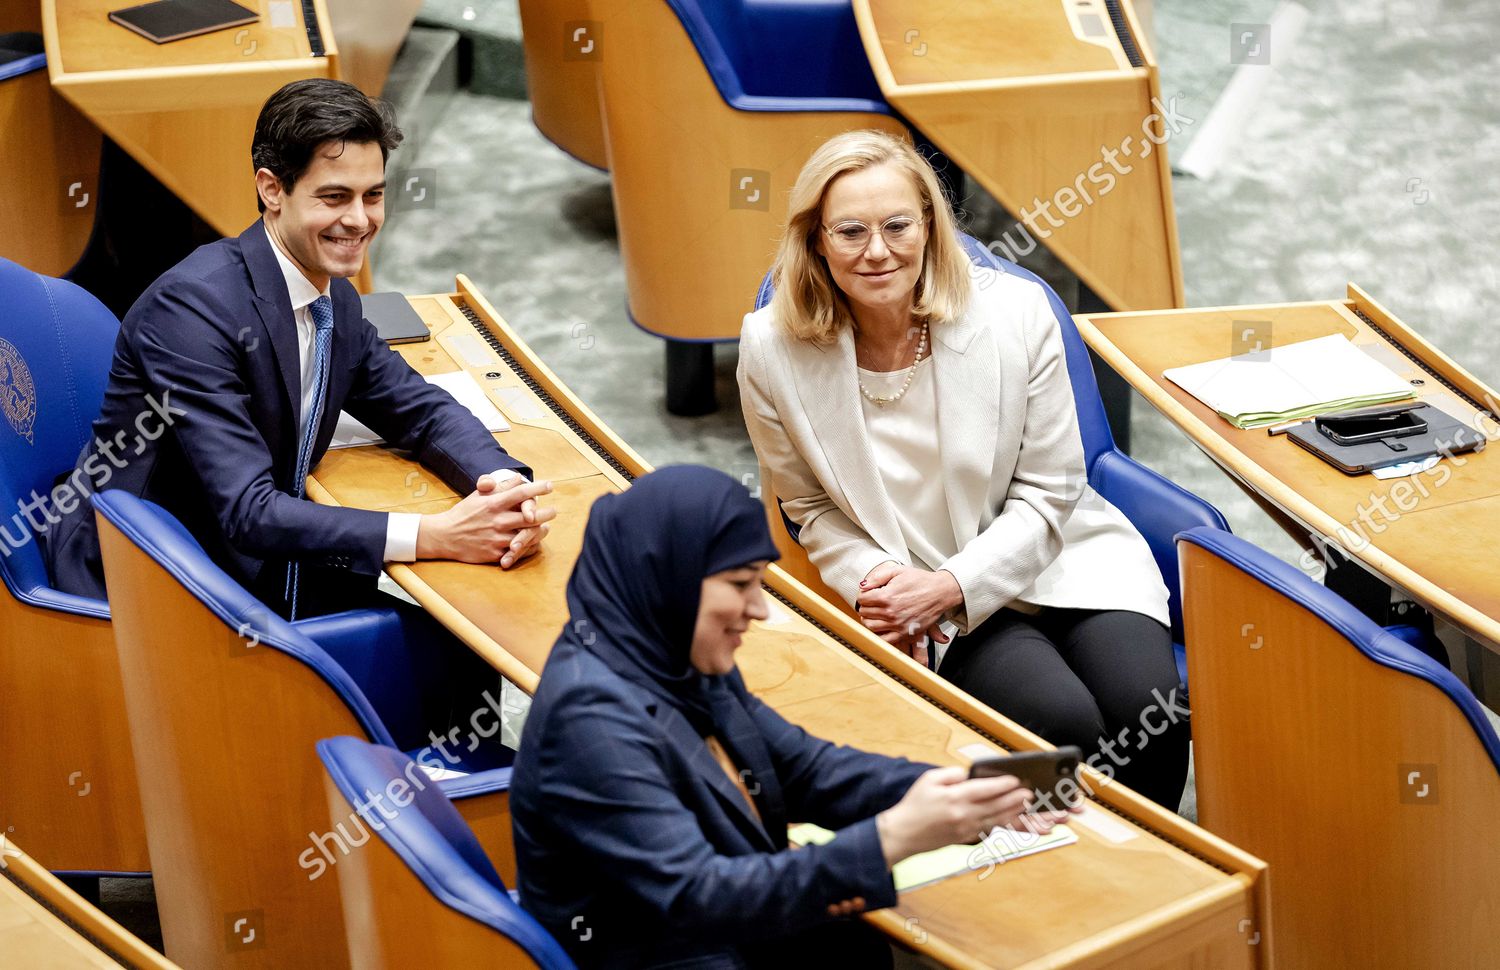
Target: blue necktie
{"x":322,"y":314}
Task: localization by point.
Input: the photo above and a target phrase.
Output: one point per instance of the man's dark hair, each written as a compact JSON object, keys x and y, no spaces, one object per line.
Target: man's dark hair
{"x":304,"y":114}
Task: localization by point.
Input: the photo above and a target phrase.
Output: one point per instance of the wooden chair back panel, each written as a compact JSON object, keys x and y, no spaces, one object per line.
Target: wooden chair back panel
{"x":394,"y":921}
{"x":692,"y":261}
{"x":224,"y":731}
{"x":69,"y":786}
{"x":1303,"y":747}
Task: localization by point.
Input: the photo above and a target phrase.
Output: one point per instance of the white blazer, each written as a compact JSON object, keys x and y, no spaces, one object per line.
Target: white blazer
{"x":1028,"y":526}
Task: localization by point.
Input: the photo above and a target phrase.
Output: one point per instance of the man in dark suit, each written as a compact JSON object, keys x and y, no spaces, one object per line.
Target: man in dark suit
{"x":231,"y":369}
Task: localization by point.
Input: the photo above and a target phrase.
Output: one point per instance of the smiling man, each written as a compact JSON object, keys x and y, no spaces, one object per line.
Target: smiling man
{"x":242,"y":356}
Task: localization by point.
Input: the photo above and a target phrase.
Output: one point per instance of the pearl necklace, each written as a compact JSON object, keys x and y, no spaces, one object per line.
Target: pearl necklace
{"x":910,"y":373}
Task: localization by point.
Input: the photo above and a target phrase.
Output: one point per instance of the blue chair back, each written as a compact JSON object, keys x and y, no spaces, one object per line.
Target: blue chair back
{"x":1156,"y":506}
{"x":157,"y":533}
{"x":783,"y":55}
{"x":56,"y":344}
{"x":436,"y":844}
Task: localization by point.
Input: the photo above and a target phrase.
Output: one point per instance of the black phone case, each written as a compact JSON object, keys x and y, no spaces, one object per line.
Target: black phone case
{"x":1041,"y":771}
{"x":1455,"y":437}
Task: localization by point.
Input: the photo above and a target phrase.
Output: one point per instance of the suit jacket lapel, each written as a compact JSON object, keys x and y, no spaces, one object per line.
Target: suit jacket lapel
{"x":274,"y":307}
{"x":968,"y":395}
{"x":695,"y":752}
{"x":827,"y":381}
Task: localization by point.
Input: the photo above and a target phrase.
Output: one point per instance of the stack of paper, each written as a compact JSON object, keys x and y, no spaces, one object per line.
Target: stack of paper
{"x":350,"y":433}
{"x":1000,"y":846}
{"x":1290,"y":382}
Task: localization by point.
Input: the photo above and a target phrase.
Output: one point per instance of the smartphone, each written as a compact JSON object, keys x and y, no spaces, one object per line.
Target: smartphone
{"x":1358,"y":429}
{"x":1041,"y":771}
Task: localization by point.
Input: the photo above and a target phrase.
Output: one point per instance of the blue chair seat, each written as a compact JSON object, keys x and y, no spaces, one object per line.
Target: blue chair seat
{"x":783,"y":55}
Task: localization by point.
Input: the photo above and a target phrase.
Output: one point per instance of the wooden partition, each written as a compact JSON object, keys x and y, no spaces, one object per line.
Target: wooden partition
{"x":1364,"y":787}
{"x":1141,"y":888}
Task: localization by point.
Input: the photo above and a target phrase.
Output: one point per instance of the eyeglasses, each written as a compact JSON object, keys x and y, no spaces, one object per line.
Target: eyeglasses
{"x":852,"y":236}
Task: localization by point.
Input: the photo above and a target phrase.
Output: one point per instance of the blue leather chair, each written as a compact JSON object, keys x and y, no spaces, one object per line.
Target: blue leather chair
{"x":422,"y":892}
{"x":67,"y":778}
{"x":711,"y":108}
{"x":226,"y":701}
{"x":1360,"y":769}
{"x":1155,"y":505}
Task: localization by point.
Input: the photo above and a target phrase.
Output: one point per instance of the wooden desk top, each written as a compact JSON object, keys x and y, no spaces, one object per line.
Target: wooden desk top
{"x":89,"y":41}
{"x":958,"y":41}
{"x":1139,"y":879}
{"x":43,"y":923}
{"x":1437,"y":546}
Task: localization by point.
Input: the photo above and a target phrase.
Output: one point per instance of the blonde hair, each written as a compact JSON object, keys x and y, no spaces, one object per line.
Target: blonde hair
{"x":807,"y":302}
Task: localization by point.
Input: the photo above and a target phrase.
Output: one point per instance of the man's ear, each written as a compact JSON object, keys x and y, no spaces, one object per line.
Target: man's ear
{"x":268,"y":187}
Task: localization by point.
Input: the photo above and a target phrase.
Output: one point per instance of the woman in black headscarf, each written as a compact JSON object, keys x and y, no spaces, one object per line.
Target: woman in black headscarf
{"x":652,"y":791}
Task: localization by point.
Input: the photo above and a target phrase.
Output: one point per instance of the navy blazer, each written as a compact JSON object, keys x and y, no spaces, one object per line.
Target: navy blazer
{"x":202,"y":414}
{"x":635,"y":849}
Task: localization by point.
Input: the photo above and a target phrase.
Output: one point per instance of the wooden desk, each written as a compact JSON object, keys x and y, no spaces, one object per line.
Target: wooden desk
{"x":1023,"y":96}
{"x":45,"y":924}
{"x":1165,"y":894}
{"x":186,"y":110}
{"x":1439,"y":546}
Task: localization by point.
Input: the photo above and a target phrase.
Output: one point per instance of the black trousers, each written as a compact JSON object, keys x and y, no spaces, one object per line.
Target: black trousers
{"x":1104,"y":680}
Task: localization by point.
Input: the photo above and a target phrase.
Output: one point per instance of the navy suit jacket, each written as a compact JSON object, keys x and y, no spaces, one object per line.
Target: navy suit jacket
{"x":202,"y":414}
{"x":635,"y":849}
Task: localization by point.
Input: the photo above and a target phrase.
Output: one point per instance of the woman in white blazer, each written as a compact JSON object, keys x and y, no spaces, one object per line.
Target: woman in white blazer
{"x":916,"y":417}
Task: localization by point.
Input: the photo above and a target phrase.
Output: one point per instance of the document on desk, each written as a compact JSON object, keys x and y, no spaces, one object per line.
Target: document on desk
{"x":350,"y":433}
{"x":925,"y":868}
{"x":1290,"y":382}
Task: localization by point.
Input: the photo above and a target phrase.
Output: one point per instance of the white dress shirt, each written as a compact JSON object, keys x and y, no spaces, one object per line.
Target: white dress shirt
{"x":906,"y":453}
{"x":401,"y":527}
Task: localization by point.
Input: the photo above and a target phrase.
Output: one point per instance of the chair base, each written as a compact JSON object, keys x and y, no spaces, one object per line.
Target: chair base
{"x":690,"y":378}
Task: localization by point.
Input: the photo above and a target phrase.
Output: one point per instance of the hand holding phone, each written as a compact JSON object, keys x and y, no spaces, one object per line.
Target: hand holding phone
{"x":1051,"y":775}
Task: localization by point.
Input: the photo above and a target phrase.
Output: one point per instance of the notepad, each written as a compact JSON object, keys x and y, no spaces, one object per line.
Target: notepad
{"x":1290,"y":382}
{"x":925,"y":868}
{"x":167,"y":20}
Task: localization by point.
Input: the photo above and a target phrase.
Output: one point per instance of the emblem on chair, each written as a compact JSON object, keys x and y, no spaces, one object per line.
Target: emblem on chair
{"x":17,"y":390}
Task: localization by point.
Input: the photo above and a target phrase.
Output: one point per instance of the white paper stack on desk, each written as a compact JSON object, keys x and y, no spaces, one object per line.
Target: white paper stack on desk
{"x":1290,"y":382}
{"x":465,"y":390}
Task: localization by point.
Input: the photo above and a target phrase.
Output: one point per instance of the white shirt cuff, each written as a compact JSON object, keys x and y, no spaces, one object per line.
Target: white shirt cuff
{"x":401,"y":528}
{"x":401,"y":536}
